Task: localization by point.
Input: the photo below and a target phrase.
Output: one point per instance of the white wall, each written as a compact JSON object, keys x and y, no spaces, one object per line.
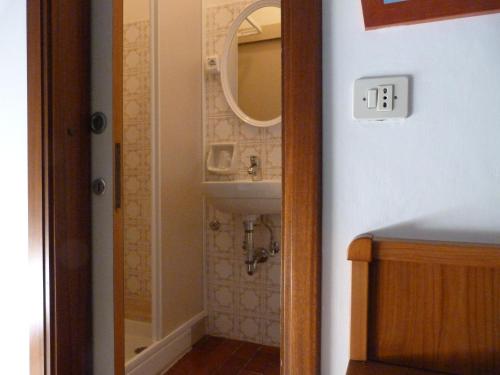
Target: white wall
{"x":14,"y":323}
{"x":434,"y":176}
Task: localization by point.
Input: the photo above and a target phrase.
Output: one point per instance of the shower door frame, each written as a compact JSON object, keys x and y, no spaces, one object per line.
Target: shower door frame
{"x":302,"y":187}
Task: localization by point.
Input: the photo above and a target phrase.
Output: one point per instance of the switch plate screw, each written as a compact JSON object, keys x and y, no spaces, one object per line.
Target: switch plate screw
{"x":214,"y":225}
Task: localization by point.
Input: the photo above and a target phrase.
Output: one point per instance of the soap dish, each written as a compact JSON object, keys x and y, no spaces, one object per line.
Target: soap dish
{"x":222,"y":158}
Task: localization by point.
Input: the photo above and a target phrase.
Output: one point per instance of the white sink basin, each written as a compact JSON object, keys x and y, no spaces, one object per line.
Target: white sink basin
{"x":245,"y":197}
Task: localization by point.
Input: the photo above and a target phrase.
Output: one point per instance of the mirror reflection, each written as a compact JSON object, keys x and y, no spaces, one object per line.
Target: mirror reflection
{"x":255,"y":69}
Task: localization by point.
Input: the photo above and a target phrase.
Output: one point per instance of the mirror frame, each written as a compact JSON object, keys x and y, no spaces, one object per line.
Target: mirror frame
{"x":232,"y":33}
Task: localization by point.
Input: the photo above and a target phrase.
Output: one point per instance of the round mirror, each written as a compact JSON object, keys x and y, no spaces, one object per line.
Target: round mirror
{"x":251,"y":64}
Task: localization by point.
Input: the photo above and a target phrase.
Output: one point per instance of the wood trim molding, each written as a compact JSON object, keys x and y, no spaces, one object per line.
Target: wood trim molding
{"x":59,"y":176}
{"x":359,"y":310}
{"x":302,"y":181}
{"x":118,"y":247}
{"x":36,"y":202}
{"x":361,"y":249}
{"x":360,"y":253}
{"x":376,"y":368}
{"x":438,"y":253}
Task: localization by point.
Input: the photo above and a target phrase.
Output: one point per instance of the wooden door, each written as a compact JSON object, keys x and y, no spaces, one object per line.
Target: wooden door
{"x":59,"y":178}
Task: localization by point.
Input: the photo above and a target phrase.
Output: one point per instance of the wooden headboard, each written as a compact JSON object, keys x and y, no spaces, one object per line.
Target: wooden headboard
{"x":426,"y":305}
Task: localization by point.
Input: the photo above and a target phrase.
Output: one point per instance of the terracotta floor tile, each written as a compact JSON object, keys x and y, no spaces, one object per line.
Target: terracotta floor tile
{"x":208,"y":343}
{"x":264,"y":361}
{"x":257,"y":364}
{"x":232,"y":366}
{"x":268,"y":357}
{"x":195,"y":363}
{"x":219,"y":356}
{"x":273,"y":370}
{"x":247,"y":350}
{"x":271,"y":349}
{"x":175,"y":370}
{"x":230,"y":346}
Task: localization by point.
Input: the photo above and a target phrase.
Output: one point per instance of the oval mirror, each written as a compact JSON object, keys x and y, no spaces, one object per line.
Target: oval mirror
{"x":251,"y":64}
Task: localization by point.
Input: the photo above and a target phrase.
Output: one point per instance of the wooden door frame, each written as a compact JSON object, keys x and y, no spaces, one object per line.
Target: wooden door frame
{"x":302,"y":181}
{"x":36,"y":204}
{"x":59,"y":198}
{"x":59,"y":178}
{"x":118,"y":244}
{"x":302,"y":186}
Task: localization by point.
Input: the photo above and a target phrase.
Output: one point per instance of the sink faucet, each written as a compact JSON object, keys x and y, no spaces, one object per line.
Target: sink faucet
{"x":254,"y":169}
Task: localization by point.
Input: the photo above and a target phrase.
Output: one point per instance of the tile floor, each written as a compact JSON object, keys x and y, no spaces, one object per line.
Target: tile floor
{"x":219,"y":356}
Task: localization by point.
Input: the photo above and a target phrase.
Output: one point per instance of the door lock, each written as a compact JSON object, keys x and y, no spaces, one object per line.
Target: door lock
{"x":98,"y":123}
{"x":99,"y":186}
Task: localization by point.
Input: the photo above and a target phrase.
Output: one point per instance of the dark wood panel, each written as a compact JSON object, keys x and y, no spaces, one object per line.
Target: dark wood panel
{"x":377,"y":14}
{"x":376,"y":368}
{"x":67,"y":172}
{"x":118,"y":244}
{"x":433,"y":306}
{"x":302,"y":147}
{"x":434,"y":316}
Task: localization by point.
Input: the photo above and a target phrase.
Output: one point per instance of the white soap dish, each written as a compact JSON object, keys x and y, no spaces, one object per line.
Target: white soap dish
{"x":222,"y":158}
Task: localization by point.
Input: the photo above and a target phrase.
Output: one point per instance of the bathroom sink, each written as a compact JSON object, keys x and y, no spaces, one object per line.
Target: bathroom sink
{"x":245,"y":197}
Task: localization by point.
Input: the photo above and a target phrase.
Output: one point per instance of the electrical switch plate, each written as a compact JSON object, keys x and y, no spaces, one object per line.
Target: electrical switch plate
{"x":385,"y":101}
{"x":381,"y":98}
{"x":372,"y":98}
{"x":213,"y":64}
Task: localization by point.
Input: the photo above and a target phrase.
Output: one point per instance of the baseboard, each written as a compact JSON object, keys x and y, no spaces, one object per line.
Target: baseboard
{"x":164,"y":353}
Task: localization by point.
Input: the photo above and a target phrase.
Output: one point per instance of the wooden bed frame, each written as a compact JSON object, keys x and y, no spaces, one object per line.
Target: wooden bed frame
{"x":424,"y":307}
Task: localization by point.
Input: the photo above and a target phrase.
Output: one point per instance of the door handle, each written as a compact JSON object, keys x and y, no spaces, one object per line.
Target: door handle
{"x":118,"y":176}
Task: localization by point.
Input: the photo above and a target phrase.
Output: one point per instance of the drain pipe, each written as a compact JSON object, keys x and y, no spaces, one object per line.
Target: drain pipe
{"x":261,"y":255}
{"x":274,"y":247}
{"x":251,"y":262}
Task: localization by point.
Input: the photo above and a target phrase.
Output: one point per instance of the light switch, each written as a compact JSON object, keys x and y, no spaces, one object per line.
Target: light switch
{"x":381,"y":98}
{"x":372,"y":98}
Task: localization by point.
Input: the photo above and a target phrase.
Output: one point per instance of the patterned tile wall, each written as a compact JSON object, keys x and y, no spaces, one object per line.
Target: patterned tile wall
{"x":239,"y":306}
{"x":222,"y":124}
{"x":137,"y":170}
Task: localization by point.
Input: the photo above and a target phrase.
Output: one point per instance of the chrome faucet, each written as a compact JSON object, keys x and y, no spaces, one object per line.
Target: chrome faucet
{"x":254,"y":169}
